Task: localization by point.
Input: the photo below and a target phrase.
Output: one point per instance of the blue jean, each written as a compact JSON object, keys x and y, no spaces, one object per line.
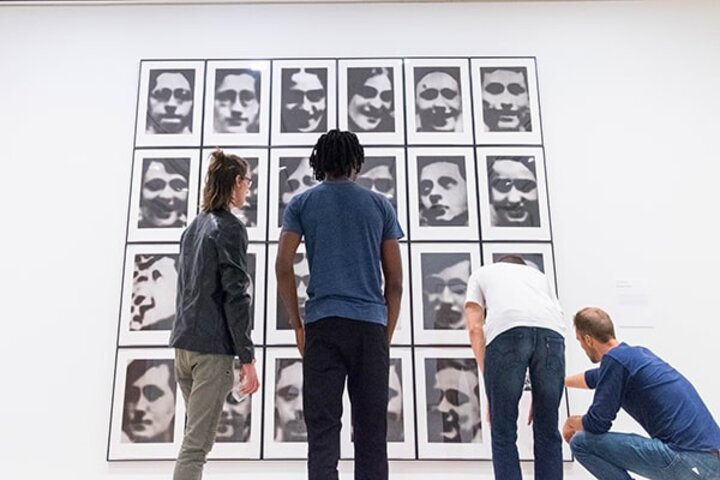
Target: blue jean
{"x":610,"y":456}
{"x":507,"y":358}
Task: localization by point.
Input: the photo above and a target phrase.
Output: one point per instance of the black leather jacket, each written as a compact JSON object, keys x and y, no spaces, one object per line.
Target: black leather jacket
{"x":213,"y":304}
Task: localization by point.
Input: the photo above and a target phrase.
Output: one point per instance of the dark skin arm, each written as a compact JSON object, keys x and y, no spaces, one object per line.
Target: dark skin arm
{"x":287,"y":289}
{"x":392,"y":271}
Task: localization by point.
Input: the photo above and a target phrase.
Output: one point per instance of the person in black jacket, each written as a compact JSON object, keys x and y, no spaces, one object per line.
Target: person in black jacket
{"x":212,"y":323}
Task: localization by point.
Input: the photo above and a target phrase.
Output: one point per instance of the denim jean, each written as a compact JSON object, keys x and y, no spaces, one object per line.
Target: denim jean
{"x":507,"y":358}
{"x":610,"y":456}
{"x":336,"y":349}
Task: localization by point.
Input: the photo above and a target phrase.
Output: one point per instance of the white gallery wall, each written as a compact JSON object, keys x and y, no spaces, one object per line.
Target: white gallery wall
{"x":631,"y":117}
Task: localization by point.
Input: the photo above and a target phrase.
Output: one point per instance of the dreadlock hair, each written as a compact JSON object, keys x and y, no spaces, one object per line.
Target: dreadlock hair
{"x":336,"y":154}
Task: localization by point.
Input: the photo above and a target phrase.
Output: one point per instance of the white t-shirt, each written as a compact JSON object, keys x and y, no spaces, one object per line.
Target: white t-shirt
{"x":514,"y":296}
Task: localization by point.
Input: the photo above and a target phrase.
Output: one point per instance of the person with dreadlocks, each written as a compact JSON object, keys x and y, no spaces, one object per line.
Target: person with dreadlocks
{"x":351,"y":236}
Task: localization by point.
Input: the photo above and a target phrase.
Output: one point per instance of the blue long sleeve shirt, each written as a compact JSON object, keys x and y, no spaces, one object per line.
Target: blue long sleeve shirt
{"x":656,"y":395}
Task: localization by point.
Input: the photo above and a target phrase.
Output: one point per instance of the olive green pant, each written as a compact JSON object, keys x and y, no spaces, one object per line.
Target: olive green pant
{"x":204,"y":379}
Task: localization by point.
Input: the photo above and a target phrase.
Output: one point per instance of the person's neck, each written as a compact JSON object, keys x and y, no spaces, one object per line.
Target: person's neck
{"x":607,"y":346}
{"x":341,"y":178}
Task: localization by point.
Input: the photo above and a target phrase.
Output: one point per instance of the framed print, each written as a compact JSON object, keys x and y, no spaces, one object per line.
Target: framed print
{"x":237,"y":104}
{"x":253,"y":214}
{"x":148,"y":412}
{"x":507,"y":110}
{"x":443,"y":199}
{"x":401,"y":412}
{"x":384,"y":172}
{"x":402,"y":334}
{"x":370,"y":100}
{"x":169,"y":104}
{"x":238,"y":432}
{"x":513,"y":194}
{"x":279,"y":330}
{"x":440,"y":275}
{"x":536,"y":255}
{"x":149,"y":287}
{"x":256,"y":267}
{"x":451,"y":405}
{"x":290,"y":175}
{"x":163,"y":197}
{"x":438,"y":102}
{"x":304,"y":101}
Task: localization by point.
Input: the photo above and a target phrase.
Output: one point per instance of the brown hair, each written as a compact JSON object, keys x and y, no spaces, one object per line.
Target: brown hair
{"x":595,"y":322}
{"x":220,"y":180}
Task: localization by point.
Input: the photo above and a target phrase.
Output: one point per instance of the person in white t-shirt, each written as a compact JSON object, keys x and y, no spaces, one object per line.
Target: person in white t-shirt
{"x":516,"y":324}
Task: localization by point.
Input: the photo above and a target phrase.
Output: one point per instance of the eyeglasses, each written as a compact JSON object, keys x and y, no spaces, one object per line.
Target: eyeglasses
{"x":426,"y":186}
{"x":372,"y":92}
{"x":297,"y":96}
{"x":432,"y":93}
{"x":497,"y":88}
{"x":438,"y":285}
{"x":384,"y":185}
{"x":453,"y":397}
{"x":164,"y":94}
{"x":231,"y":96}
{"x":157,"y":184}
{"x":504,"y":185}
{"x":293,"y":184}
{"x":249,"y":181}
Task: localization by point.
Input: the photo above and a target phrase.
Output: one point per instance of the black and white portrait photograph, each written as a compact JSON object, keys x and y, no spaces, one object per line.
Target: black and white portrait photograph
{"x":383,"y":172}
{"x":440,"y":276}
{"x":150,"y":281}
{"x":513,"y":197}
{"x":450,"y":404}
{"x":163,"y":195}
{"x":279,"y":330}
{"x":438,"y":101}
{"x":146,"y":407}
{"x":253,"y":214}
{"x":238,"y":432}
{"x":442,"y":194}
{"x":237,"y":104}
{"x":169,"y":105}
{"x":506,"y":103}
{"x":290,"y":175}
{"x":370,"y":100}
{"x":306,"y":90}
{"x":535,"y":255}
{"x":256,"y":269}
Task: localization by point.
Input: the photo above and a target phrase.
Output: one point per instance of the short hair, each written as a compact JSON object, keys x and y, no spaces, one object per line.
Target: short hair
{"x":356,"y":77}
{"x":521,"y":70}
{"x":137,"y":368}
{"x":220,"y":180}
{"x":178,"y":166}
{"x":512,"y":258}
{"x":595,"y":322}
{"x":221,"y":73}
{"x":424,"y":162}
{"x":422,"y":72}
{"x":188,"y":74}
{"x":337,"y":154}
{"x":287,"y":74}
{"x":527,"y":161}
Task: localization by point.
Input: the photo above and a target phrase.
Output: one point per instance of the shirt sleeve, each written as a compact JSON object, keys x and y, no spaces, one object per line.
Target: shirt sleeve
{"x":291,"y":217}
{"x":391,"y":227}
{"x":234,"y":278}
{"x":591,"y":378}
{"x":609,"y":392}
{"x":474,"y":292}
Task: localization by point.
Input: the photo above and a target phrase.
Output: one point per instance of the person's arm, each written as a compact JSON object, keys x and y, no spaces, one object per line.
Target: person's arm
{"x":234,"y":279}
{"x":392,"y":271}
{"x":576,"y":381}
{"x":475,"y":317}
{"x":287,"y":289}
{"x":609,"y":392}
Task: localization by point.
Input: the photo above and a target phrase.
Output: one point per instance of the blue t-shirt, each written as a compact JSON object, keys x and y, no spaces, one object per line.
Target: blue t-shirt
{"x":344,"y":226}
{"x":656,"y":395}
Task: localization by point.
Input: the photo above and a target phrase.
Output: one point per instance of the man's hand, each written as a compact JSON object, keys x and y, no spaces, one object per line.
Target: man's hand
{"x":572,"y":425}
{"x":249,"y":383}
{"x":300,"y":340}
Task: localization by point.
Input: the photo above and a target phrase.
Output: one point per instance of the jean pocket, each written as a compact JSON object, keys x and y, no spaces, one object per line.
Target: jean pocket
{"x":555,"y":354}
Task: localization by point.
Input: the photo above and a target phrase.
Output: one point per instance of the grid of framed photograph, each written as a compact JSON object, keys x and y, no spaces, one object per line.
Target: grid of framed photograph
{"x":455,"y":144}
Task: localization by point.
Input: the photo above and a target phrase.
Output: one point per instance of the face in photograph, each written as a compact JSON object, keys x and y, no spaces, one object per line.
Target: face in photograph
{"x":304,"y":100}
{"x":370,"y":100}
{"x":442,"y":191}
{"x":395,"y":427}
{"x":505,"y":99}
{"x":296,"y":177}
{"x":454,"y":414}
{"x":149,"y":409}
{"x":170,"y":102}
{"x":438,"y":103}
{"x":248,"y":214}
{"x":534,"y":260}
{"x":445,"y":277}
{"x":234,"y":425}
{"x":513,"y":192}
{"x":164,"y":193}
{"x":378,"y":175}
{"x":153,"y":294}
{"x":237,"y":101}
{"x":289,"y":418}
{"x":302,"y":281}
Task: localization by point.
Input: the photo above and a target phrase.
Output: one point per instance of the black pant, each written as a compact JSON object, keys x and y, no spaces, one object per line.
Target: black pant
{"x":336,"y":348}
